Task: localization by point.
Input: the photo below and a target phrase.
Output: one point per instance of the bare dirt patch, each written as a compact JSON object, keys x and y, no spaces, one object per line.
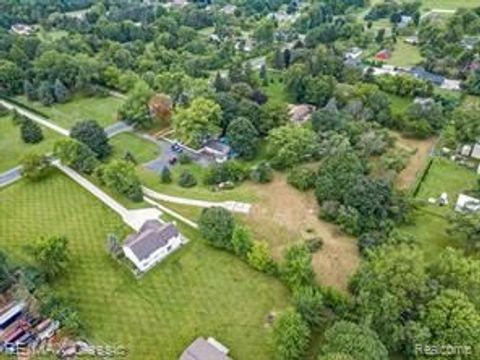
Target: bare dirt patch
{"x":422,"y":149}
{"x":282,"y":215}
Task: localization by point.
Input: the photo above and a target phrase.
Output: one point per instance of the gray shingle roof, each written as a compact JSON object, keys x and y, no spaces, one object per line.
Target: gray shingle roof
{"x":201,"y":349}
{"x":152,"y":236}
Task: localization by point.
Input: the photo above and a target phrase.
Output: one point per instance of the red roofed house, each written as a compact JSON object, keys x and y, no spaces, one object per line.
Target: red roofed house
{"x":383,"y":55}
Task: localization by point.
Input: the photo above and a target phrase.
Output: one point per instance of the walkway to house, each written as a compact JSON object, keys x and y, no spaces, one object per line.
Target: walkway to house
{"x":239,"y":207}
{"x":10,"y":176}
{"x":133,"y":218}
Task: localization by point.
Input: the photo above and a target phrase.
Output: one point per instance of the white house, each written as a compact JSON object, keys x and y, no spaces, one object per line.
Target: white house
{"x":154,"y":242}
{"x":217,"y":149}
{"x":476,"y":152}
{"x":467,"y":203}
{"x":202,"y":349}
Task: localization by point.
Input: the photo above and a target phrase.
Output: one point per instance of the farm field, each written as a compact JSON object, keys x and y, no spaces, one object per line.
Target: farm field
{"x":12,"y":147}
{"x":198,"y":291}
{"x":79,"y":108}
{"x":405,"y":55}
{"x":141,"y":149}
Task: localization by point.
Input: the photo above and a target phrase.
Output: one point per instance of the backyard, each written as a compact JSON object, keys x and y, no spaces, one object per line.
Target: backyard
{"x":448,"y":4}
{"x":12,"y":147}
{"x":197,"y":291}
{"x":79,"y":108}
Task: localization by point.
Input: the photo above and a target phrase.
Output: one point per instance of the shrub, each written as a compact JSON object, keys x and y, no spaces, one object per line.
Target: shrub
{"x":184,"y":159}
{"x":297,"y":270}
{"x":308,"y":301}
{"x":228,"y":171}
{"x":260,"y":258}
{"x":241,"y":241}
{"x":166,"y":175}
{"x":35,"y":167}
{"x":217,"y":224}
{"x":262,"y":173}
{"x":187,"y":180}
{"x":120,"y":176}
{"x":31,"y":132}
{"x":291,"y":336}
{"x":301,"y":178}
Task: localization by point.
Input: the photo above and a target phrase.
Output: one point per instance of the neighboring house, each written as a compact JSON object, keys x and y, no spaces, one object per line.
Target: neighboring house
{"x":244,"y":44}
{"x":383,"y":55}
{"x":405,"y":21}
{"x":476,"y":151}
{"x":466,"y":150}
{"x":219,"y":150}
{"x":202,"y":349}
{"x":422,"y":74}
{"x":449,"y":84}
{"x":178,"y":3}
{"x":228,"y":9}
{"x":151,"y":244}
{"x":300,"y":113}
{"x":467,"y":203}
{"x":353,"y":56}
{"x":22,"y":29}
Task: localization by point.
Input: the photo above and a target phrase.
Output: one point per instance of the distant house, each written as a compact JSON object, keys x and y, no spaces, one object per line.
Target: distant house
{"x":425,"y":103}
{"x":300,"y":113}
{"x":476,"y":152}
{"x":228,"y":9}
{"x":22,"y":29}
{"x":467,"y":203}
{"x":353,"y":56}
{"x":405,"y":21}
{"x":179,"y":3}
{"x":422,"y":74}
{"x":151,"y":244}
{"x":466,"y":150}
{"x":219,"y":150}
{"x":383,"y":55}
{"x":202,"y":349}
{"x":245,"y":45}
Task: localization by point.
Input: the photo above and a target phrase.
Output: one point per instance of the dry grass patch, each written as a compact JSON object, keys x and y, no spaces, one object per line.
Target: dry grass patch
{"x":282,"y":215}
{"x":422,"y":149}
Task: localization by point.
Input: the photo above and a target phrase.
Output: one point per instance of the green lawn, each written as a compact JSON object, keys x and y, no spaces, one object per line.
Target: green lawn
{"x":198,"y":291}
{"x":405,"y":55}
{"x":446,"y":176}
{"x":142,"y":150}
{"x":102,"y":109}
{"x":13,"y":149}
{"x":276,"y":89}
{"x":430,"y":230}
{"x":398,"y":103}
{"x":449,"y":4}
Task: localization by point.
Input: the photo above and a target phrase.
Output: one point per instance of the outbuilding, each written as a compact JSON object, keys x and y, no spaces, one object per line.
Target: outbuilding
{"x":202,"y":349}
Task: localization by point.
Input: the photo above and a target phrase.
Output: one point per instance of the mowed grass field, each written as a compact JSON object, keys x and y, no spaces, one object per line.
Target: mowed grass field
{"x":79,"y":108}
{"x":198,"y":291}
{"x":12,"y":147}
{"x":141,"y":149}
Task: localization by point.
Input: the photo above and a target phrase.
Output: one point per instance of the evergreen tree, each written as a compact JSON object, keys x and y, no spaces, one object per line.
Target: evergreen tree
{"x":263,"y":75}
{"x":45,"y":94}
{"x":279,"y":60}
{"x":61,"y":92}
{"x":31,"y":132}
{"x":29,"y":90}
{"x":166,"y":175}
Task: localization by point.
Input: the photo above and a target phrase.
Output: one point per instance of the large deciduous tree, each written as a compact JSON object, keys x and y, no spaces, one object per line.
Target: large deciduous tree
{"x":243,"y":138}
{"x":93,"y":135}
{"x":290,"y":145}
{"x":120,"y":175}
{"x":360,"y":342}
{"x":35,"y":167}
{"x":75,"y":154}
{"x":217,"y":224}
{"x":291,"y":336}
{"x":197,"y":122}
{"x":51,"y":255}
{"x":135,"y":110}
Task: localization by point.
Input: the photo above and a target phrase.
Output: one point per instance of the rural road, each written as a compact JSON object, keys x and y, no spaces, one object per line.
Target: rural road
{"x":10,"y":176}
